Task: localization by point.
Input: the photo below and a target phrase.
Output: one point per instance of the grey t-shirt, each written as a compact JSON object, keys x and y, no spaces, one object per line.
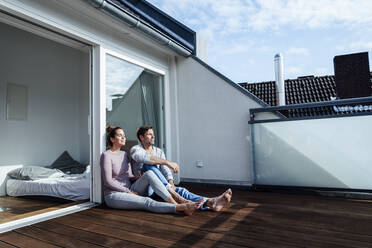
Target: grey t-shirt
{"x":140,"y":156}
{"x":116,"y":172}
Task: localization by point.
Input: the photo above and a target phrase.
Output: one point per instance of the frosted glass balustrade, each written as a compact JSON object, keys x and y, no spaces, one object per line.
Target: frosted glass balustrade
{"x":330,"y":153}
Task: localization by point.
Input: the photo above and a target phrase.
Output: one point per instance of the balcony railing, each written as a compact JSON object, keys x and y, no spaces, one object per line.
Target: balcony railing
{"x":314,"y":148}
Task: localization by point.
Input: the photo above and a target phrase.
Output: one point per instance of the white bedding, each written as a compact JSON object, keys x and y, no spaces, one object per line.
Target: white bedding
{"x":71,"y":187}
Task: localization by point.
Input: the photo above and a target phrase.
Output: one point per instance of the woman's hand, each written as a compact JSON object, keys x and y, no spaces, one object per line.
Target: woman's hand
{"x":139,"y":175}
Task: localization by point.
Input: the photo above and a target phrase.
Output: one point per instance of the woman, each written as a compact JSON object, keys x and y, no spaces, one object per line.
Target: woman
{"x":120,"y":193}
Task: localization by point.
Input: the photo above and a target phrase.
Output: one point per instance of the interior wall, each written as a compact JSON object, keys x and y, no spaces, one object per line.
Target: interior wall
{"x":57,"y":78}
{"x":83,"y":114}
{"x":214,"y":135}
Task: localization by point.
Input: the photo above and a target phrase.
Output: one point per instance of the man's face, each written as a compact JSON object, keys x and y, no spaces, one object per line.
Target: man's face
{"x":148,"y":138}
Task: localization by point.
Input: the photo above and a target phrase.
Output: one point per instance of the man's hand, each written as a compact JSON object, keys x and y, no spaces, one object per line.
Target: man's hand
{"x":173,"y":166}
{"x":133,"y":192}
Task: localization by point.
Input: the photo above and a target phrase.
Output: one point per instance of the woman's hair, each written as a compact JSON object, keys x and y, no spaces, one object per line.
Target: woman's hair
{"x":110,"y":133}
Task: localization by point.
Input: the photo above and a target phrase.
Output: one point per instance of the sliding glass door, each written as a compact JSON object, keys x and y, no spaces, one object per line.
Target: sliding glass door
{"x":134,"y":97}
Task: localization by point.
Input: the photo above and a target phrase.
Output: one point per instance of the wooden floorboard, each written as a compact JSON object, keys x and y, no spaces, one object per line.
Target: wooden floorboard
{"x":6,"y":245}
{"x":91,"y":237}
{"x":24,"y":241}
{"x":14,"y":208}
{"x":254,"y":219}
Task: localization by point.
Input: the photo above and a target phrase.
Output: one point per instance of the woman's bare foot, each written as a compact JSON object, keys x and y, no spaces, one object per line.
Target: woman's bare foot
{"x":220,"y":202}
{"x":189,"y":208}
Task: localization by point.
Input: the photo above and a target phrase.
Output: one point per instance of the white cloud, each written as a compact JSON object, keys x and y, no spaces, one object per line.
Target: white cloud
{"x":266,"y":48}
{"x":236,"y":47}
{"x":232,"y":16}
{"x":272,"y":14}
{"x":341,"y":47}
{"x":250,"y":61}
{"x":361,"y":45}
{"x":322,"y":71}
{"x":293,"y":70}
{"x":298,"y":51}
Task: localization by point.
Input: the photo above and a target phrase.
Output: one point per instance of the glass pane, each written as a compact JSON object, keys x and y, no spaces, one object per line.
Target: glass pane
{"x":333,"y":153}
{"x":44,"y":125}
{"x":133,"y":98}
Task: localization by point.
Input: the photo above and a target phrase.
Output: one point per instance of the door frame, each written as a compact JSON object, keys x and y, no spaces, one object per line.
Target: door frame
{"x":99,"y":108}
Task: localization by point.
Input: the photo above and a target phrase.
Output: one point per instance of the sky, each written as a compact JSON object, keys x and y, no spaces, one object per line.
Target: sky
{"x":244,"y":35}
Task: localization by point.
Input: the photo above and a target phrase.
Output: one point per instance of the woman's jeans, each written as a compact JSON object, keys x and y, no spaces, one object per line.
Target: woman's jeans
{"x":123,"y":200}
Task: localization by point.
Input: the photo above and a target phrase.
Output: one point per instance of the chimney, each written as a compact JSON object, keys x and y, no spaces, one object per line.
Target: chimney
{"x":279,"y":80}
{"x":352,"y":75}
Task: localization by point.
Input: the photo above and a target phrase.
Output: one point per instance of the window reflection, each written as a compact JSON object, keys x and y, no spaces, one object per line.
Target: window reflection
{"x":133,"y":98}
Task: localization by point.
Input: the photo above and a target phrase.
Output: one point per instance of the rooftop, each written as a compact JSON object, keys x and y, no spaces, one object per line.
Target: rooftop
{"x":255,"y":219}
{"x":306,"y":89}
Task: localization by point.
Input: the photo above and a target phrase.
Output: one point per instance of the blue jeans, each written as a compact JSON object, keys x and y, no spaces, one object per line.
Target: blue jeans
{"x":192,"y":197}
{"x":181,"y":191}
{"x":157,"y":172}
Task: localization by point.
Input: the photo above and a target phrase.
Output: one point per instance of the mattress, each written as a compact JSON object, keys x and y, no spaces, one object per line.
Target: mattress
{"x":71,"y":187}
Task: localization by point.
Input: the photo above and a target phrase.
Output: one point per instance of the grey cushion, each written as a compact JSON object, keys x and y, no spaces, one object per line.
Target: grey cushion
{"x":32,"y":173}
{"x":67,"y":164}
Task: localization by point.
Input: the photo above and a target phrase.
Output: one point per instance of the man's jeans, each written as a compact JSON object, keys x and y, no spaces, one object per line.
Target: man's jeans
{"x":181,"y":191}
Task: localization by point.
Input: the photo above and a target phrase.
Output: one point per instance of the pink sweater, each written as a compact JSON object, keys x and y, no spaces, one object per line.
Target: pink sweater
{"x":116,"y":172}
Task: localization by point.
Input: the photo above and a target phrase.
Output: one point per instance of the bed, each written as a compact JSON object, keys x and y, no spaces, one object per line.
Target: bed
{"x":65,"y":178}
{"x":73,"y":187}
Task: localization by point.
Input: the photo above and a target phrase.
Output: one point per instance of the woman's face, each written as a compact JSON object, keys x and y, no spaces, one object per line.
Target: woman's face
{"x":119,"y":139}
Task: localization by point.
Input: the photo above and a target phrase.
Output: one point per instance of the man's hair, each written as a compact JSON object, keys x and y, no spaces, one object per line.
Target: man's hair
{"x":142,"y":130}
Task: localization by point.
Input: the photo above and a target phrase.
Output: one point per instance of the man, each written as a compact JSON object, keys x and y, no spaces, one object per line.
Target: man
{"x":146,"y":154}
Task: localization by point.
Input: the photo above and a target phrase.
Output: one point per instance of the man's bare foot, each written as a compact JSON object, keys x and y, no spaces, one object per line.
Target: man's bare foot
{"x":189,"y":208}
{"x":220,"y":202}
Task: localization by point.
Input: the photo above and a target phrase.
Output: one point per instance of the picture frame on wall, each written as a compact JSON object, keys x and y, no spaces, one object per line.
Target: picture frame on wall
{"x":16,"y":102}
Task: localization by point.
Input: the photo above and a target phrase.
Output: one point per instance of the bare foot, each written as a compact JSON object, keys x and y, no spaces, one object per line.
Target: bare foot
{"x":229,"y":191}
{"x":189,"y":208}
{"x":220,"y":202}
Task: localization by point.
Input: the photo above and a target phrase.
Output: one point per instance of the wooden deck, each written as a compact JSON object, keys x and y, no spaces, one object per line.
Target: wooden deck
{"x":255,"y":219}
{"x":14,"y":208}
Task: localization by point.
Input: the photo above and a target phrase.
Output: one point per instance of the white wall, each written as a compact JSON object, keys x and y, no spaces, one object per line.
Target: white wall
{"x":201,"y":48}
{"x":57,"y":81}
{"x":213,"y":126}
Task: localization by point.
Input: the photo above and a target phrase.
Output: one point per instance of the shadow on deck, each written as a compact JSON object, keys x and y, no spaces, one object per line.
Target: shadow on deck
{"x":255,"y":219}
